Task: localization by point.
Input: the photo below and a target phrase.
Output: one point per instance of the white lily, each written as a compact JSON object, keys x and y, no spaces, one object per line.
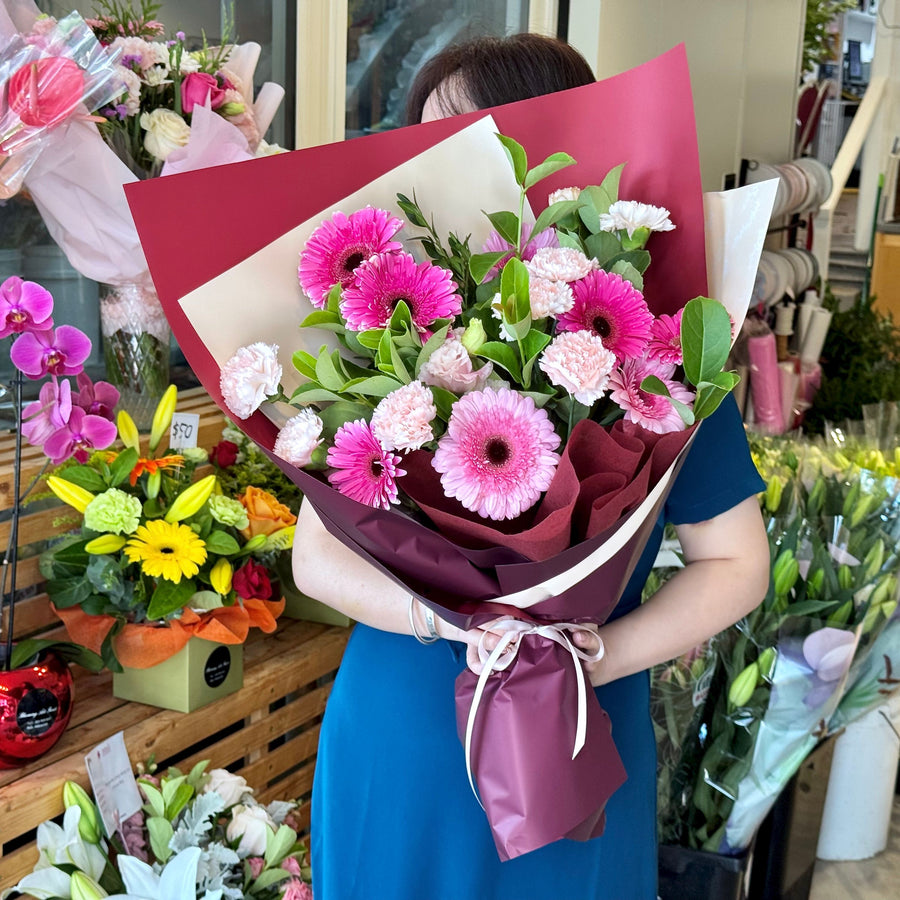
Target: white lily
{"x":178,"y":880}
{"x":61,"y":846}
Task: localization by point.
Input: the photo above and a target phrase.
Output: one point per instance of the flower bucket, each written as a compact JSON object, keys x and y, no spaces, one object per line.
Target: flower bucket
{"x":686,"y":874}
{"x":200,"y":673}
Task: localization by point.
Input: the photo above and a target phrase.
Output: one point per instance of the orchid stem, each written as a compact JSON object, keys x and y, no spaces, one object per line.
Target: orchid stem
{"x":12,"y":549}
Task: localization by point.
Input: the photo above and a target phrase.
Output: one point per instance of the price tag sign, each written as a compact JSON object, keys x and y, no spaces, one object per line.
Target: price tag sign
{"x":112,"y":780}
{"x":183,"y":432}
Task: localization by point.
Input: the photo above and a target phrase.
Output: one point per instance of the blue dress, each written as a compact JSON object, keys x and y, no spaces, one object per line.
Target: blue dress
{"x":393,"y":816}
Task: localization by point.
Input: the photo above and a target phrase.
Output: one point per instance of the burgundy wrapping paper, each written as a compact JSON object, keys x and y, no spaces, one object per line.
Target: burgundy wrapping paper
{"x":644,"y":118}
{"x":524,"y":815}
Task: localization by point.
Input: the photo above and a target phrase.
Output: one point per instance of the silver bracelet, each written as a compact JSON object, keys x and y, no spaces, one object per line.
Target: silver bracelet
{"x":429,"y":621}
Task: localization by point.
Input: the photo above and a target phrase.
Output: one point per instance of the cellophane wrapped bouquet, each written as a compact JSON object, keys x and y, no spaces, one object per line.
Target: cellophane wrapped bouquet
{"x":783,"y":669}
{"x":489,"y":410}
{"x":198,"y":834}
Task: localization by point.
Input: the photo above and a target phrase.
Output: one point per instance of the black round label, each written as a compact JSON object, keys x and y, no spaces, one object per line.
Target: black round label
{"x":217,"y":666}
{"x":36,"y":712}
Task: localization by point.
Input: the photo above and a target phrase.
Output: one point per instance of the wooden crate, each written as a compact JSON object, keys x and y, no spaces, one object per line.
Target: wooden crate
{"x":267,"y":731}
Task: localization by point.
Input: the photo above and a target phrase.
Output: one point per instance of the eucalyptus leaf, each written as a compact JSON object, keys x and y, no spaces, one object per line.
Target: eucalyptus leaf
{"x":516,"y":154}
{"x":555,"y":162}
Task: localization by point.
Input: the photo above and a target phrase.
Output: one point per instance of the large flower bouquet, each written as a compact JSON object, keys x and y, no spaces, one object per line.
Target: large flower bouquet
{"x":161,"y":557}
{"x":475,"y":371}
{"x":197,"y":835}
{"x":833,"y":536}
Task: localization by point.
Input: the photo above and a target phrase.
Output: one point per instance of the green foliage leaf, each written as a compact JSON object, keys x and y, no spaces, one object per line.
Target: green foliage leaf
{"x":568,"y":239}
{"x":602,"y":246}
{"x":278,"y":844}
{"x":640,"y":259}
{"x":161,"y":832}
{"x":532,"y":345}
{"x":504,"y":356}
{"x":506,"y":224}
{"x":328,"y":373}
{"x":514,"y":283}
{"x":312,"y":393}
{"x":482,"y":263}
{"x":628,"y":273}
{"x":120,"y":468}
{"x":516,"y":155}
{"x":305,"y":364}
{"x":221,"y":543}
{"x":169,"y":597}
{"x":705,"y":339}
{"x":86,"y":477}
{"x":69,"y":592}
{"x":412,"y":212}
{"x":65,"y":650}
{"x":553,"y":213}
{"x":154,"y":800}
{"x":343,"y":411}
{"x":322,"y":318}
{"x":270,"y":877}
{"x":555,"y":162}
{"x":653,"y":385}
{"x":444,"y":400}
{"x":375,"y":386}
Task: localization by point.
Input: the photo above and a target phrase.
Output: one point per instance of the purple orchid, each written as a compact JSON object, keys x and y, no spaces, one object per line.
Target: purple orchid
{"x":49,"y":413}
{"x":25,"y":306}
{"x":82,"y":434}
{"x":53,"y":352}
{"x":96,"y":398}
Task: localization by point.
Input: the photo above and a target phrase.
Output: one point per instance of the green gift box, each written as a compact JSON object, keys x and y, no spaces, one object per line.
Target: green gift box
{"x":298,"y":606}
{"x":200,"y":673}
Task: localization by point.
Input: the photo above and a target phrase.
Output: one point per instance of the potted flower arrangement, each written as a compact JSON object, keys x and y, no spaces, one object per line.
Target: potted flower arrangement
{"x":66,"y":423}
{"x":197,"y":834}
{"x":168,"y":573}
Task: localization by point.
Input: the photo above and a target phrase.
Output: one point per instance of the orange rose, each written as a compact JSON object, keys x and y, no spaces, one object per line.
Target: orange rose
{"x":266,"y":514}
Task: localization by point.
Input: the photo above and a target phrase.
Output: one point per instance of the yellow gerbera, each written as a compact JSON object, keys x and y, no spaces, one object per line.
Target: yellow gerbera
{"x":166,"y":549}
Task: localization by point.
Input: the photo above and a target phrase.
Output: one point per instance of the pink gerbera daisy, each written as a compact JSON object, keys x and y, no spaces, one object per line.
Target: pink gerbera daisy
{"x":363,"y":469}
{"x":384,"y":280}
{"x":665,"y":339}
{"x":497,"y":455}
{"x":337,"y":247}
{"x":613,"y":309}
{"x":650,"y":411}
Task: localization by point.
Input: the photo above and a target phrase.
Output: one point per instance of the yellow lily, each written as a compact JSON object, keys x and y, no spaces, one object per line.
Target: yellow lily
{"x":76,"y":496}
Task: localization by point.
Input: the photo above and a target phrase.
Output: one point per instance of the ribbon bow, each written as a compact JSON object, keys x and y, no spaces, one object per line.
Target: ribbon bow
{"x":503,"y":656}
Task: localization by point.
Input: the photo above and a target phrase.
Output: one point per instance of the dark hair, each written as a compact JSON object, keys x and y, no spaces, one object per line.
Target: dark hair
{"x":495,"y":70}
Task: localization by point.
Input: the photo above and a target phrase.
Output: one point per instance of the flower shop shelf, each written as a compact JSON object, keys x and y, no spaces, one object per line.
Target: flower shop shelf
{"x":267,"y":732}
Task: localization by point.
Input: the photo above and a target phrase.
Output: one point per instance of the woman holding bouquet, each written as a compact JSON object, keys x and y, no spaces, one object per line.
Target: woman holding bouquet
{"x":393,"y":812}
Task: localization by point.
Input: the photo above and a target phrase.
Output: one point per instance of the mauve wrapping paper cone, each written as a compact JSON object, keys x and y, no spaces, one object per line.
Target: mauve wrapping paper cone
{"x":518,"y":751}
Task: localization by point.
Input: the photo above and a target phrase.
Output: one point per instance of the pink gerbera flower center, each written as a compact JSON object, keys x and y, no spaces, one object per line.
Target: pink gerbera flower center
{"x":383,"y":281}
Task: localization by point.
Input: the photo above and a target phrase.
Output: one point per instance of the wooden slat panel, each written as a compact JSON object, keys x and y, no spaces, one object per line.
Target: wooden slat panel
{"x":295,"y":786}
{"x":284,"y":758}
{"x":260,"y":733}
{"x":28,"y":573}
{"x":25,"y":803}
{"x":40,"y":525}
{"x":33,"y":614}
{"x":17,"y":865}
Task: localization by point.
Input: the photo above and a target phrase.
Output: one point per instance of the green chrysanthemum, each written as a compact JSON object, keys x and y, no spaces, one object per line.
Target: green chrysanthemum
{"x":195,"y":455}
{"x":228,"y":511}
{"x":114,"y":512}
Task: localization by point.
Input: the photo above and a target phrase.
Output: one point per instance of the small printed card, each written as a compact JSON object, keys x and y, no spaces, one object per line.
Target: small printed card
{"x":183,"y":432}
{"x":112,"y":780}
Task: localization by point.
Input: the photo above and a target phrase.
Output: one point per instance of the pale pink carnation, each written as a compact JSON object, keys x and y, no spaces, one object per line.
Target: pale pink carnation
{"x":650,"y":411}
{"x":665,"y":339}
{"x":257,"y":864}
{"x":549,"y":298}
{"x":251,"y":375}
{"x":560,"y":264}
{"x":450,"y":367}
{"x":578,"y":362}
{"x":299,"y":438}
{"x":290,"y":864}
{"x":402,"y":420}
{"x":497,"y":455}
{"x":149,"y":53}
{"x":566,"y":193}
{"x":297,"y":890}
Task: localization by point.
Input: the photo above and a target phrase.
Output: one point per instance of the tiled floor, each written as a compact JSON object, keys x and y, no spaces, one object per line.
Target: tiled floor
{"x":877,"y":878}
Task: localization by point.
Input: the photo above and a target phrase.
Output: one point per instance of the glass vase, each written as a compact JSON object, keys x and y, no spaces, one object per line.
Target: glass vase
{"x":135,"y":347}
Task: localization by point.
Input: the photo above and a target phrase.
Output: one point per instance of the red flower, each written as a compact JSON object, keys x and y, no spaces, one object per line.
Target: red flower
{"x":196,"y":87}
{"x":224,"y":454}
{"x":47,"y":91}
{"x":251,"y":581}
